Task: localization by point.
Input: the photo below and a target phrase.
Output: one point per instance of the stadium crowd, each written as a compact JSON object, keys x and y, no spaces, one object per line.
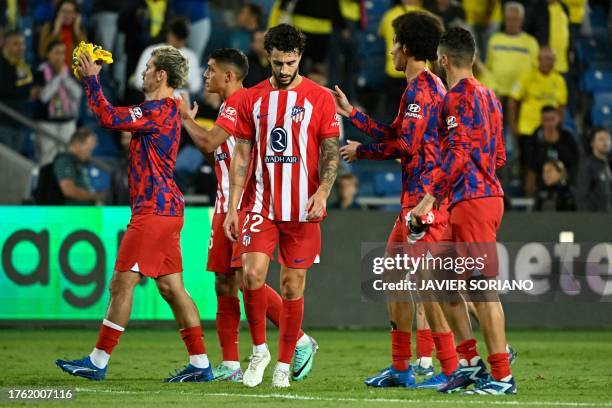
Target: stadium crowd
{"x":549,"y":62}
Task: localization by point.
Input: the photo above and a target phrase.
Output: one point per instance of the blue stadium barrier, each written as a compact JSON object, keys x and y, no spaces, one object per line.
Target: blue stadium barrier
{"x":593,"y":52}
{"x":366,"y":171}
{"x":366,"y":188}
{"x":601,"y":110}
{"x":372,"y":49}
{"x":594,"y":81}
{"x":568,"y":122}
{"x":388,"y":183}
{"x":189,"y":160}
{"x":598,"y":16}
{"x":107,"y":142}
{"x":100,"y":179}
{"x":392,"y":208}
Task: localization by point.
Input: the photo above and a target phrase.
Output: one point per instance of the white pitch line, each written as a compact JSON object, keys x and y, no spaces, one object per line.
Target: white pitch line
{"x":342,"y":399}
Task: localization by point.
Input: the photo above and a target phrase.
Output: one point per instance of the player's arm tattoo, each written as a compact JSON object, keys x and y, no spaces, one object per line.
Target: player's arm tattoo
{"x":243,"y":168}
{"x":329,"y":162}
{"x":239,"y":170}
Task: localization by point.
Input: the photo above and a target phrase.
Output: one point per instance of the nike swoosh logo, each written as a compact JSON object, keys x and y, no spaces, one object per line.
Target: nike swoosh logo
{"x":300,"y":260}
{"x":76,"y":369}
{"x":298,"y":372}
{"x":186,"y":376}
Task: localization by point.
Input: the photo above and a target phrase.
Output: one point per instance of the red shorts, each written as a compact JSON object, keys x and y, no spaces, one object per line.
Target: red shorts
{"x":223,"y":254}
{"x":151,"y":246}
{"x":299,"y":242}
{"x":399,"y":233}
{"x":475,"y":220}
{"x":472,"y":229}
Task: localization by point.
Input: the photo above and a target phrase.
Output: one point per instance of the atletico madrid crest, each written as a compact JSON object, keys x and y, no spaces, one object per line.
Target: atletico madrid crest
{"x":297,"y":114}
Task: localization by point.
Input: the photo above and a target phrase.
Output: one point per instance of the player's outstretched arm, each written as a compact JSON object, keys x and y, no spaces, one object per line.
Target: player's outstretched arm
{"x":363,"y":122}
{"x":328,"y":170}
{"x":128,"y":118}
{"x":388,"y":150}
{"x":205,"y":140}
{"x":239,"y":170}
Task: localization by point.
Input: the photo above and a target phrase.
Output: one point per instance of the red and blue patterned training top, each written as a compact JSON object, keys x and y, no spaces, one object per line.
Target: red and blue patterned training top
{"x":156,"y":131}
{"x":412,"y":137}
{"x":472,"y":144}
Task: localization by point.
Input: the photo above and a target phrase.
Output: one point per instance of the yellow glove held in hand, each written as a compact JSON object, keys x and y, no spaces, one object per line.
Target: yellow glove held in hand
{"x":96,"y":53}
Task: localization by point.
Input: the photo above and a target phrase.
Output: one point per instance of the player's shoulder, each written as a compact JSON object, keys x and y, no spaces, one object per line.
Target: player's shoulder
{"x":235,"y":98}
{"x":466,"y":92}
{"x":429,"y":82}
{"x":248,"y":96}
{"x":462,"y":90}
{"x":159,"y":104}
{"x":313,"y":91}
{"x":310,"y":86}
{"x":263,"y":86}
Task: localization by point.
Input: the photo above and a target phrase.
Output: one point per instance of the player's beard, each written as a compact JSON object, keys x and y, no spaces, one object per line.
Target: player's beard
{"x":280,"y":84}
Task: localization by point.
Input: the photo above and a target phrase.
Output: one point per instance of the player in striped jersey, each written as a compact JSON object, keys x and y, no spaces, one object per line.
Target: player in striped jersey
{"x":413,"y":138}
{"x":289,"y":124}
{"x":227,"y":67}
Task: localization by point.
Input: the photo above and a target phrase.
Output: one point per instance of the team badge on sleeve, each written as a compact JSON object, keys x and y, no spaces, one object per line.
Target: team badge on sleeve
{"x":136,"y":113}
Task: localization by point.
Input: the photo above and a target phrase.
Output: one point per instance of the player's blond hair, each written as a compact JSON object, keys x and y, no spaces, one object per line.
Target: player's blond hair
{"x":171,"y":60}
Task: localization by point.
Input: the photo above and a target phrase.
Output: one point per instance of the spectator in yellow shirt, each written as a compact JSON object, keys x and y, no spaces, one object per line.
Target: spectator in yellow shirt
{"x":484,"y":16}
{"x":315,"y":18}
{"x":512,"y":52}
{"x":549,"y":24}
{"x":537,"y":88}
{"x":577,"y":9}
{"x":395,"y":81}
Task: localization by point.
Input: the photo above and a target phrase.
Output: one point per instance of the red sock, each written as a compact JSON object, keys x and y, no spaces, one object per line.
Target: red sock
{"x":255,"y":305}
{"x":500,"y":365}
{"x":194,"y":340}
{"x":424,"y":343}
{"x":108,"y":338}
{"x":291,"y":317}
{"x":400,"y":350}
{"x":275,"y":305}
{"x":467,"y":350}
{"x":445,"y":352}
{"x":228,"y":319}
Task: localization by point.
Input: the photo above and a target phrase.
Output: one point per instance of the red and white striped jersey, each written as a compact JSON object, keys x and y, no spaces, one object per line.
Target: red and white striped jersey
{"x":286,"y":129}
{"x":226,"y":120}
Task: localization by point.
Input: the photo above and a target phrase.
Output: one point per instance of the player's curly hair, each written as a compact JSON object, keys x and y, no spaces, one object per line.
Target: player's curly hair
{"x":285,"y":38}
{"x":420,"y":32}
{"x":171,"y":60}
{"x":459,"y":44}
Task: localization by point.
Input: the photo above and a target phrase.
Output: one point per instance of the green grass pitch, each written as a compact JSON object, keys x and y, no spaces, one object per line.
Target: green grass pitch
{"x":554,"y":369}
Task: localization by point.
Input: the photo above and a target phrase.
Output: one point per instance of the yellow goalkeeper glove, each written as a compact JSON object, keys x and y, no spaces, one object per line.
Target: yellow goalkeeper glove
{"x":95,"y":52}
